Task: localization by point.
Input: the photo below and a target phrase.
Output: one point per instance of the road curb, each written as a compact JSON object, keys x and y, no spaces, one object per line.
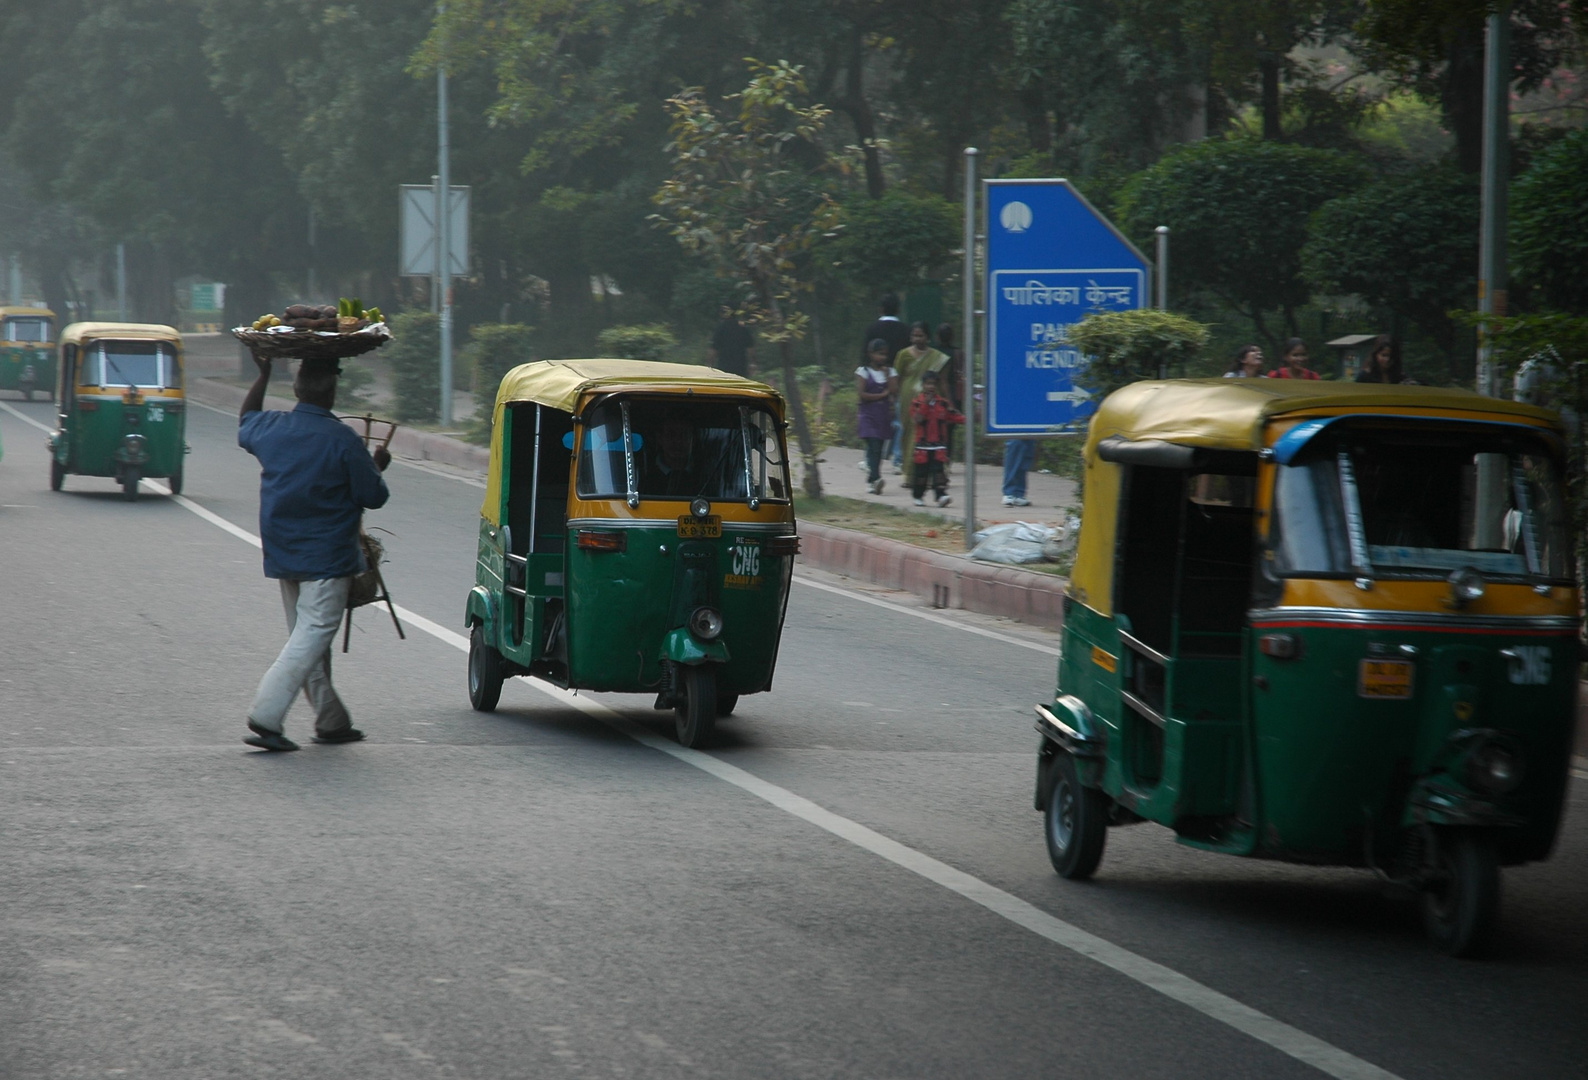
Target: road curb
{"x":948,"y":581}
{"x":408,"y":443}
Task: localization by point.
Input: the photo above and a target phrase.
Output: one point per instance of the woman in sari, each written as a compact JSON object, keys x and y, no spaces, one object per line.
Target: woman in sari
{"x":913,"y":361}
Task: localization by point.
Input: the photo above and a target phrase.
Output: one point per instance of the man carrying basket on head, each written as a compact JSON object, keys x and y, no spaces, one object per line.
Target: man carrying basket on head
{"x":317,"y":479}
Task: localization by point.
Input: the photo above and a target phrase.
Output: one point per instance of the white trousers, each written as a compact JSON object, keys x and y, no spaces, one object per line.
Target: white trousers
{"x":314,"y":612}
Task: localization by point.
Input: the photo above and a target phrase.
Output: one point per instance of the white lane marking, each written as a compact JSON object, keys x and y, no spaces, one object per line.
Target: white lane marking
{"x":213,"y":518}
{"x":1292,"y":1041}
{"x":929,"y":617}
{"x":432,"y":470}
{"x":26,"y":419}
{"x":1580,"y":774}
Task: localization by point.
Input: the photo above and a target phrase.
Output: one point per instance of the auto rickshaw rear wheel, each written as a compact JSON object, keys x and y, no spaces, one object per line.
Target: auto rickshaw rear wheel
{"x":174,"y":481}
{"x":57,"y":475}
{"x":695,"y":715}
{"x":129,"y":483}
{"x":485,"y":672}
{"x":1075,"y":822}
{"x":726,"y":703}
{"x":1461,"y":903}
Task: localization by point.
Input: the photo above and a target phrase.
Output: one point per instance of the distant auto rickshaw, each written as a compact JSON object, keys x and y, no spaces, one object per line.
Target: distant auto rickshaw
{"x":637,"y":536}
{"x":1331,"y":624}
{"x":123,"y":410}
{"x":27,"y":350}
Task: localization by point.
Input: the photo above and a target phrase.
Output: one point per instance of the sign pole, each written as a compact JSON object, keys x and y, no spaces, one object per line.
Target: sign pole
{"x":1163,"y":267}
{"x":444,"y":244}
{"x":968,"y":344}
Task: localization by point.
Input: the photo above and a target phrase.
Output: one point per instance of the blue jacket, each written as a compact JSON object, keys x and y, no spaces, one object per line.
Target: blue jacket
{"x":316,"y":482}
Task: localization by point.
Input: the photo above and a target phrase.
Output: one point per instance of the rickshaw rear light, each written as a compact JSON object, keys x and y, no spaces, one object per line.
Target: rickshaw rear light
{"x":592,"y":540}
{"x":781,"y":545}
{"x":1279,"y":646}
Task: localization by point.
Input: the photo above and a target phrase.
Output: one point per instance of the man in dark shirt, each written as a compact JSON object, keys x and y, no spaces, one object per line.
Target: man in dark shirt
{"x":732,"y":346}
{"x":316,"y":482}
{"x":889,"y":328}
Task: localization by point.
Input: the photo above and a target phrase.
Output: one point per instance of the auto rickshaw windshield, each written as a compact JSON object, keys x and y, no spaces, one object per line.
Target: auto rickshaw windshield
{"x":130,"y":363}
{"x":27,"y":328}
{"x":1375,"y":500}
{"x":673,"y":448}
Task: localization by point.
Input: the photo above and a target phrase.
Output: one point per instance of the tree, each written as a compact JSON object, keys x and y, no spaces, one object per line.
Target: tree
{"x":1436,"y":48}
{"x":1238,"y":211}
{"x":1122,"y":347}
{"x":738,"y":199}
{"x":1549,"y":225}
{"x":1408,"y":243}
{"x":889,"y":242}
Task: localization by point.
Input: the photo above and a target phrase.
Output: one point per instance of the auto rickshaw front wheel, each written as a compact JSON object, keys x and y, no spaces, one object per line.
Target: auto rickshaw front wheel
{"x":57,"y":475}
{"x":695,"y":715}
{"x":485,"y":672}
{"x":1461,"y":903}
{"x":129,"y":483}
{"x":1075,"y":822}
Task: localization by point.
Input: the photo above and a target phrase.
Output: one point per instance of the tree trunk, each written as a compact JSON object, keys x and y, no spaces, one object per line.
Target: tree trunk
{"x":858,"y":109}
{"x":1269,"y":68}
{"x":1461,"y":94}
{"x":791,"y":391}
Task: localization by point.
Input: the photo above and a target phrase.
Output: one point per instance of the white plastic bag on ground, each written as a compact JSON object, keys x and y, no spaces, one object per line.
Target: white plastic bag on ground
{"x":1014,"y":542}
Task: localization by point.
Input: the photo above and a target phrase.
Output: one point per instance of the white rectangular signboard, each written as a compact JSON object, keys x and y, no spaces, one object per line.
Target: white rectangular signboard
{"x":417,"y":230}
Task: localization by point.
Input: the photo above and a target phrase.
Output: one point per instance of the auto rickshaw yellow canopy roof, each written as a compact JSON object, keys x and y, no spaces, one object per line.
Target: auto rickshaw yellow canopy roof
{"x":1236,"y":414}
{"x":29,"y":312}
{"x":1230,"y":414}
{"x":80,"y":332}
{"x":563,"y":384}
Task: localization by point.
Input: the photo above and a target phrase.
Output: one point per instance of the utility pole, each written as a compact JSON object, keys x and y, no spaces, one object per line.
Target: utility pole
{"x":968,"y":343}
{"x":444,"y":237}
{"x":1491,"y":479}
{"x":121,"y":282}
{"x":1496,"y":152}
{"x":313,"y":285}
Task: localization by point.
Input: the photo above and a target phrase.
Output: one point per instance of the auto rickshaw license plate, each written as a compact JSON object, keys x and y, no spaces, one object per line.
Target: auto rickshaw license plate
{"x":694,"y":528}
{"x":1390,"y":679}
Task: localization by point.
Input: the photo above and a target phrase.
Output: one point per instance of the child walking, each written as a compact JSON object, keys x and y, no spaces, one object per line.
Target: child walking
{"x":877,"y":384}
{"x":932,"y":416}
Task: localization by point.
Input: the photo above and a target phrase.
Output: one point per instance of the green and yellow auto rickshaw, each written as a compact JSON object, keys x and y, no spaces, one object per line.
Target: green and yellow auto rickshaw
{"x":27,"y":350}
{"x":1332,"y":624}
{"x":637,"y":536}
{"x":123,"y":410}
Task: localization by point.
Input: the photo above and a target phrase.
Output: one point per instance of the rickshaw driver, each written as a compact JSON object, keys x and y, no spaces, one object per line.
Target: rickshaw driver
{"x":316,"y":481}
{"x":673,"y":470}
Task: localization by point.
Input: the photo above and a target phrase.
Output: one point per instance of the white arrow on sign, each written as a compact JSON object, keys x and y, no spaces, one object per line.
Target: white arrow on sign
{"x":1074,"y":397}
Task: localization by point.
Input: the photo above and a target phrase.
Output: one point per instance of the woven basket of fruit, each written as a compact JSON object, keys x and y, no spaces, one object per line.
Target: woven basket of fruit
{"x":313,"y":332}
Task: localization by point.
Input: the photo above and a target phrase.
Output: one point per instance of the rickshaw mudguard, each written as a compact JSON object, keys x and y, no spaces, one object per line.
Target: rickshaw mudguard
{"x":682,"y":647}
{"x":1068,"y":726}
{"x":481,"y":609}
{"x":1438,"y":800}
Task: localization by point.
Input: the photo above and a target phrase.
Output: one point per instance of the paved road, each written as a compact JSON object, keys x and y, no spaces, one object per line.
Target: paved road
{"x":850,"y":884}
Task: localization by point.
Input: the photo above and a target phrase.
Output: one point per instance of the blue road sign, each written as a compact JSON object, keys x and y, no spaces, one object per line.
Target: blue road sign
{"x":1051,"y":260}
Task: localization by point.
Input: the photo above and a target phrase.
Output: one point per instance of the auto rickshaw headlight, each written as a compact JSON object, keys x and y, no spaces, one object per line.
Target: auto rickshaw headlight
{"x":1494,"y":768}
{"x":700,"y":508}
{"x":1466,"y":585}
{"x":705,"y":623}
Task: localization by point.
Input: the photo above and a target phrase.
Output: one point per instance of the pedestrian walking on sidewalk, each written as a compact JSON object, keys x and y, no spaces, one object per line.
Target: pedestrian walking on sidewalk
{"x":913,"y":364}
{"x":1295,"y":362}
{"x":878,"y":385}
{"x":316,"y":481}
{"x":1018,"y":456}
{"x":931,"y":416}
